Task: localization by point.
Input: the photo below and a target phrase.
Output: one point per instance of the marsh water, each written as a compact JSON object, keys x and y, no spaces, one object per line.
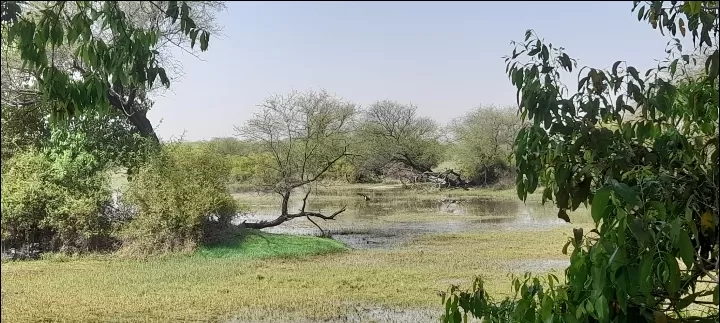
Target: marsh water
{"x":388,"y":216}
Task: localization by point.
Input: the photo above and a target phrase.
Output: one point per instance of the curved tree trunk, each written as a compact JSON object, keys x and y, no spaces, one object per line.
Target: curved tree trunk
{"x":136,"y":116}
{"x":285,"y":215}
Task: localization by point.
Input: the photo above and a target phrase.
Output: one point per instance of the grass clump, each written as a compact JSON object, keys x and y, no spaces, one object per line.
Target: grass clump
{"x":258,"y":245}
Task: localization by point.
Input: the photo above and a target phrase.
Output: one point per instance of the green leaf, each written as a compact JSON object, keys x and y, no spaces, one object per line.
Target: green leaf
{"x":518,"y":78}
{"x":602,"y":309}
{"x":72,"y":35}
{"x":520,"y":187}
{"x":151,"y":74}
{"x":674,"y":274}
{"x":544,"y":53}
{"x":615,"y":67}
{"x":687,"y":300}
{"x":163,"y":77}
{"x":570,"y":318}
{"x":712,"y":68}
{"x":637,"y":226}
{"x":634,"y":74}
{"x":681,"y":25}
{"x":204,"y":40}
{"x":582,"y":82}
{"x":627,"y":193}
{"x":673,"y":67}
{"x":11,"y":33}
{"x":695,"y":7}
{"x":546,"y":309}
{"x":687,"y":252}
{"x":193,"y":37}
{"x":641,"y":13}
{"x":645,"y":274}
{"x":535,"y":50}
{"x":172,"y":10}
{"x":657,"y":206}
{"x":565,"y":247}
{"x":621,"y":299}
{"x":599,"y":203}
{"x":562,"y":214}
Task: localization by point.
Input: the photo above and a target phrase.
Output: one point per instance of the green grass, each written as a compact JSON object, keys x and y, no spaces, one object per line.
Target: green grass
{"x":218,"y":284}
{"x":273,"y":277}
{"x":258,"y":245}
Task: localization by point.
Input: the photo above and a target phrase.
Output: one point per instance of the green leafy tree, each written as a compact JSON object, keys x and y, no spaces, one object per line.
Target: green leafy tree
{"x":92,"y":55}
{"x":641,"y":150}
{"x":484,"y":142}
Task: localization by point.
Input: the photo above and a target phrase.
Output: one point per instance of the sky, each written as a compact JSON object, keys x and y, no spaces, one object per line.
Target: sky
{"x":444,"y":57}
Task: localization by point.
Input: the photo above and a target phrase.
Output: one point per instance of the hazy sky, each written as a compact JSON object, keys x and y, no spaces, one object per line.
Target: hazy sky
{"x":445,"y":57}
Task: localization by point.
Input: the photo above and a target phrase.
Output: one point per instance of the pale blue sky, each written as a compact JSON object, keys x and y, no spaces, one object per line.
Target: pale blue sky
{"x":445,"y":57}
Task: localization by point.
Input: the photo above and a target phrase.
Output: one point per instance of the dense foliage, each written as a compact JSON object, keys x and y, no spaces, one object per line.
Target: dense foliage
{"x":642,"y":152}
{"x":57,"y":202}
{"x":75,"y":83}
{"x":92,"y":55}
{"x":180,"y":199}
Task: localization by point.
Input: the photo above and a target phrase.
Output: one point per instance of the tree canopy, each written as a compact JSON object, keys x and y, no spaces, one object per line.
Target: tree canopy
{"x":93,"y":55}
{"x":650,"y":181}
{"x":391,"y":132}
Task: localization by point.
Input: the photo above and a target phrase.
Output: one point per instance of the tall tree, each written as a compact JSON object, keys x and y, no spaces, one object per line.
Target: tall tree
{"x":651,"y":181}
{"x":97,"y":55}
{"x":392,"y":132}
{"x":306,"y":134}
{"x":484,"y":141}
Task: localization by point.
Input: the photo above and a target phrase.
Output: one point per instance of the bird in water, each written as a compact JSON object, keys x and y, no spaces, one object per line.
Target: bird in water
{"x":364,"y":196}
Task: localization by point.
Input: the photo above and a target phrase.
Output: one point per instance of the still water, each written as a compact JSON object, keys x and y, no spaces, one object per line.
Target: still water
{"x":388,"y":216}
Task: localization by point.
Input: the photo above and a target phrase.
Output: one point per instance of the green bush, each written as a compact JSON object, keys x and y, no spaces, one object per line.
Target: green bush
{"x":54,"y":202}
{"x":247,"y":168}
{"x":181,"y":200}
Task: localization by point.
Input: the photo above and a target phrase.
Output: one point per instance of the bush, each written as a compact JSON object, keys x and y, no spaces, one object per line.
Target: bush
{"x":54,"y":202}
{"x":181,"y":200}
{"x":246,"y":169}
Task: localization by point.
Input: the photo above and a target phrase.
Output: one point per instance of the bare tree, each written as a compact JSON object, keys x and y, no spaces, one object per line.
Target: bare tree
{"x":306,"y":134}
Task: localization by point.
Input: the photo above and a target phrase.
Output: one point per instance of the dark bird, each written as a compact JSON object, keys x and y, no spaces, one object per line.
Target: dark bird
{"x":364,"y":196}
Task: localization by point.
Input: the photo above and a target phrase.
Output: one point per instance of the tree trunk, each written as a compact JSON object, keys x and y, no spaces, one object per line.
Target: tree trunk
{"x":137,"y":117}
{"x":285,"y":216}
{"x":140,"y":121}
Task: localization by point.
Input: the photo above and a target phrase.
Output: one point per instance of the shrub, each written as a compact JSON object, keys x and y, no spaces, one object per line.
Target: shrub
{"x":54,"y":202}
{"x":181,"y":199}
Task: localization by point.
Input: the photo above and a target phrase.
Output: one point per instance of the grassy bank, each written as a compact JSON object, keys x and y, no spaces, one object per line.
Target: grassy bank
{"x":259,"y":245}
{"x":249,"y":281}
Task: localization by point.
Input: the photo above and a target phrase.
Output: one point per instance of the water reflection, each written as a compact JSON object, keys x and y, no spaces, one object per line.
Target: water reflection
{"x":390,"y":217}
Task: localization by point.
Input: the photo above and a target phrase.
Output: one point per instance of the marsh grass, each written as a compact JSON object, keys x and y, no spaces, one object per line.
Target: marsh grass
{"x":251,"y":282}
{"x":279,"y":278}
